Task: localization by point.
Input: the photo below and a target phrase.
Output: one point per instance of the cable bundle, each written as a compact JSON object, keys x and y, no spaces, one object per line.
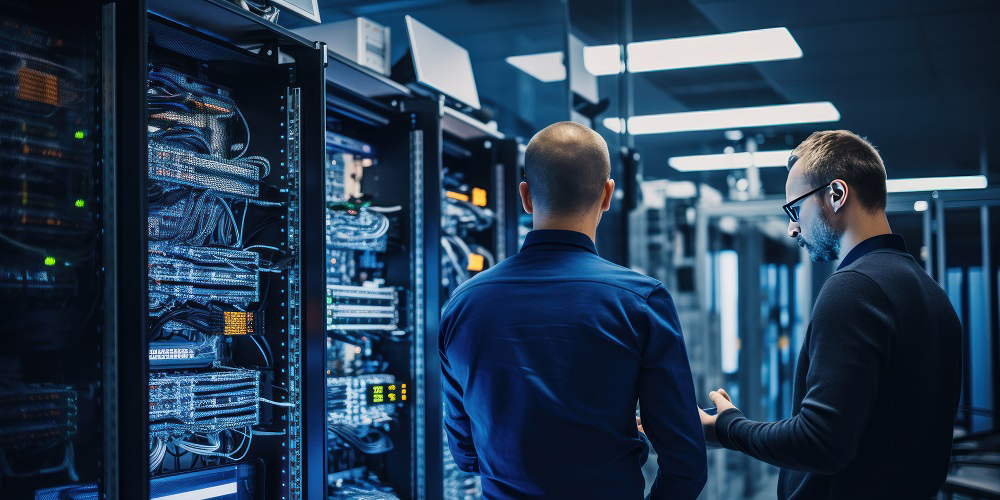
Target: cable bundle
{"x":367,"y":440}
{"x":456,"y":255}
{"x":193,"y":217}
{"x":178,"y":100}
{"x":463,"y":214}
{"x":361,"y":229}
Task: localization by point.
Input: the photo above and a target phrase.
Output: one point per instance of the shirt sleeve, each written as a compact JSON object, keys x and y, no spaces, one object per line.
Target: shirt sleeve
{"x":848,"y":345}
{"x":457,"y":425}
{"x":668,"y":405}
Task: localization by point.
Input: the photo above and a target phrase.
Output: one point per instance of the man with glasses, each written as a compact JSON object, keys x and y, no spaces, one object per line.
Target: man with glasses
{"x":879,"y":375}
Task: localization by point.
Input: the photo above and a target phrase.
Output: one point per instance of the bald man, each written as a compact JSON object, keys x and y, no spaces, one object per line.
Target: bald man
{"x":545,"y":355}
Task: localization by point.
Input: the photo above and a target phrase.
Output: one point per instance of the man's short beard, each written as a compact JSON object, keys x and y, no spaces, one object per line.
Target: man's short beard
{"x":824,"y":242}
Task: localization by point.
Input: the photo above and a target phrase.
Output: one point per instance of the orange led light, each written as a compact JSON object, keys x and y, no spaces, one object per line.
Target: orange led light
{"x":476,"y":262}
{"x":457,"y":196}
{"x":209,"y":106}
{"x":237,"y":323}
{"x":38,"y":86}
{"x":479,"y":197}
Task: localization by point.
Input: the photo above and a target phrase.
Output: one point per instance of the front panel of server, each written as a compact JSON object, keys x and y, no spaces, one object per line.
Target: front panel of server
{"x":472,"y":239}
{"x":224,"y":301}
{"x":370,"y":300}
{"x":51,"y":250}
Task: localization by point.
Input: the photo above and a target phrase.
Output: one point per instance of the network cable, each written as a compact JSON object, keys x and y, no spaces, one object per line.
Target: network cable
{"x":368,"y":440}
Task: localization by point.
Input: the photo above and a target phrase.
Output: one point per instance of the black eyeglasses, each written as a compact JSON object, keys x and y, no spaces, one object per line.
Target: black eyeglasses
{"x":792,"y":208}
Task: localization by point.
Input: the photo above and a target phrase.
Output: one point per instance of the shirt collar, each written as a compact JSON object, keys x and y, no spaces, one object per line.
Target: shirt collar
{"x":540,"y":237}
{"x":882,"y":241}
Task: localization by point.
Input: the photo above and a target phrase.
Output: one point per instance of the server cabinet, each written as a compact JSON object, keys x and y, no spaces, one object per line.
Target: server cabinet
{"x":53,"y":403}
{"x":222,"y":297}
{"x":234,"y":302}
{"x":162,"y":233}
{"x":375,"y":268}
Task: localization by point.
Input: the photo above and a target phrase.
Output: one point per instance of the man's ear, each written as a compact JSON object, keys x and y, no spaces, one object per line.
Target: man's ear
{"x":839,"y":193}
{"x":609,"y":191}
{"x":525,"y":197}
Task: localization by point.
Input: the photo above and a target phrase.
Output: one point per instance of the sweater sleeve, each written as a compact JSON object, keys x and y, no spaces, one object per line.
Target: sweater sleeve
{"x":848,"y":345}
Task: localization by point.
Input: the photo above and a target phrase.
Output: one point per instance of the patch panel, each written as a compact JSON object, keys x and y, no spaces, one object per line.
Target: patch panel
{"x":177,"y":355}
{"x":172,"y":164}
{"x":207,"y":402}
{"x":35,"y":414}
{"x":202,"y":274}
{"x":37,"y":279}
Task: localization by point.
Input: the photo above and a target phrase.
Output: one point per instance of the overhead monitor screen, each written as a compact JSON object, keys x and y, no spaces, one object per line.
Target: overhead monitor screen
{"x":305,"y":8}
{"x":441,"y":64}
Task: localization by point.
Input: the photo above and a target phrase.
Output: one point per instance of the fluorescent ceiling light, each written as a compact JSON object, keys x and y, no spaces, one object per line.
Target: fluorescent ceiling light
{"x":203,"y":493}
{"x":936,"y":183}
{"x":713,"y":50}
{"x":740,"y":47}
{"x":603,"y":59}
{"x":758,"y":116}
{"x":730,"y":161}
{"x":546,"y":67}
{"x":614,"y":124}
{"x":772,"y":44}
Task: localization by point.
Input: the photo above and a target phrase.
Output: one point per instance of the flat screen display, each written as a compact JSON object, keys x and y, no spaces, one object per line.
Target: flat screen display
{"x":441,"y":64}
{"x":305,"y":8}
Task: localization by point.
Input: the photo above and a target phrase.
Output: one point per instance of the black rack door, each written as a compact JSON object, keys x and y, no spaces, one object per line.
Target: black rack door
{"x":53,"y":253}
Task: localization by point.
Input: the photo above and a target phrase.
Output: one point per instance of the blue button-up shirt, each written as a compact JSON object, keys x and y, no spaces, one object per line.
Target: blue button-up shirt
{"x":544,"y":357}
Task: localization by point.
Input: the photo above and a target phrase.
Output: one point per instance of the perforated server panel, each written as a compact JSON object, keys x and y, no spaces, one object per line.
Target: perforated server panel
{"x":52,"y":253}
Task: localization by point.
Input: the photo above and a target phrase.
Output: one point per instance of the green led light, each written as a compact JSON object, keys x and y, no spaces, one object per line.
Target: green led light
{"x":79,"y":134}
{"x":50,"y":261}
{"x":80,"y":203}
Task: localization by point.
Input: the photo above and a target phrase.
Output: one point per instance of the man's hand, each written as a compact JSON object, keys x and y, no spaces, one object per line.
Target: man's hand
{"x":722,"y":403}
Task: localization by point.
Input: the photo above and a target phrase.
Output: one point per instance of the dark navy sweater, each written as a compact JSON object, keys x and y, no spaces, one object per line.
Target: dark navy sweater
{"x":543,"y":359}
{"x":876,"y":387}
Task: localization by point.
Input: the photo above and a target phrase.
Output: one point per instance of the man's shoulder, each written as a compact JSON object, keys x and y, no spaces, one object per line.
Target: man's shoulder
{"x":880,"y":277}
{"x":883,"y":269}
{"x":495,"y":272}
{"x":634,"y":281}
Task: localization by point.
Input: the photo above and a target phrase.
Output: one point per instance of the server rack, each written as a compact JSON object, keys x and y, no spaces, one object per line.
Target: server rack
{"x":377,"y":142}
{"x":220,"y":257}
{"x":405,"y":149}
{"x":53,"y":396}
